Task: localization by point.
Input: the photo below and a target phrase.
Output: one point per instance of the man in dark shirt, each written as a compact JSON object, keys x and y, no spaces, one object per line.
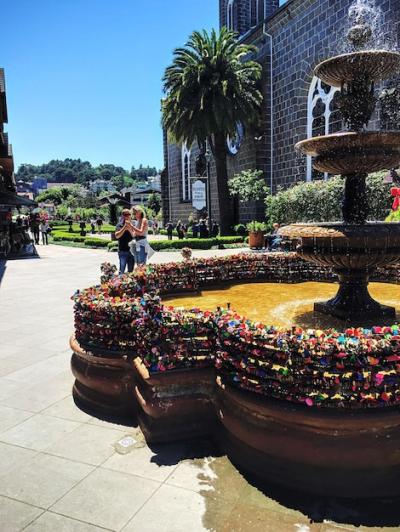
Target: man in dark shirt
{"x":124,"y":235}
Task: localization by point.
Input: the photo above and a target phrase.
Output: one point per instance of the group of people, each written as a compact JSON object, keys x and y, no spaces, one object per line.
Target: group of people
{"x":200,"y":229}
{"x":37,"y":225}
{"x":93,"y":222}
{"x":131,"y":233}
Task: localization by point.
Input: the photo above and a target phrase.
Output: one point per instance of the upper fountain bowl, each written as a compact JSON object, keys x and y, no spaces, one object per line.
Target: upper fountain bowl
{"x":374,"y":65}
{"x":350,"y":152}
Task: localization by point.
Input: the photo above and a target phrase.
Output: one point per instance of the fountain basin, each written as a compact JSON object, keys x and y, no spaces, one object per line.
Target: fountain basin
{"x":354,"y":454}
{"x":349,"y":152}
{"x":174,"y":405}
{"x":104,"y":380}
{"x":353,"y":252}
{"x":374,"y":65}
{"x":245,"y":384}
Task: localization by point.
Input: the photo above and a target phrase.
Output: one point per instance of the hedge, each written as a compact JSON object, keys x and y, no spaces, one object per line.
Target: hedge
{"x":63,"y":226}
{"x":174,"y":232}
{"x":87,"y":241}
{"x":320,"y":201}
{"x":67,"y":237}
{"x":96,"y":242}
{"x":193,"y":243}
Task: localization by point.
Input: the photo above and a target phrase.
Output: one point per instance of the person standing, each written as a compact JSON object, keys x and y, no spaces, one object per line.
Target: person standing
{"x":203,"y":231}
{"x":170,"y":228}
{"x":124,"y":234}
{"x":180,"y":230}
{"x":140,"y":231}
{"x":99,"y":224}
{"x":35,"y":229}
{"x":215,"y":229}
{"x":44,"y":231}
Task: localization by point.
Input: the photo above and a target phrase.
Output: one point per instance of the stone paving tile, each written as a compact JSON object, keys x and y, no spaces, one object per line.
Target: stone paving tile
{"x":88,"y":443}
{"x":180,"y":510}
{"x":38,"y":432}
{"x":8,"y":388}
{"x":51,"y":522}
{"x":142,"y":462}
{"x":40,"y":371}
{"x":67,"y":409}
{"x":15,"y":515}
{"x":12,"y":457}
{"x":106,"y":498}
{"x":10,"y":417}
{"x":41,"y":395}
{"x":43,"y":480}
{"x":122,"y":427}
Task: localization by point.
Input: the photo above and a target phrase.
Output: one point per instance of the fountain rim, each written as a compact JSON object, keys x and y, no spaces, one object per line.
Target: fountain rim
{"x":324,"y":69}
{"x":356,"y":139}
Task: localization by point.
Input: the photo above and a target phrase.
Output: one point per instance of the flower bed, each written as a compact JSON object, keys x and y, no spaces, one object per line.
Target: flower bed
{"x":356,"y":368}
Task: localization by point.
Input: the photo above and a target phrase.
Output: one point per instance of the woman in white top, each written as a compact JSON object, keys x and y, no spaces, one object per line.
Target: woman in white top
{"x":140,"y":230}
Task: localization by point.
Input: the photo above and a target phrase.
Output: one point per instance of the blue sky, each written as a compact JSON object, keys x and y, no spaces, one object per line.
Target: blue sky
{"x":83,"y":77}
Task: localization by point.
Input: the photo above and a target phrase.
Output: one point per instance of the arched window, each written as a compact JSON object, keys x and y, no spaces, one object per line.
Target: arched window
{"x":186,"y":188}
{"x":322,"y":117}
{"x":257,"y":9}
{"x":230,"y":23}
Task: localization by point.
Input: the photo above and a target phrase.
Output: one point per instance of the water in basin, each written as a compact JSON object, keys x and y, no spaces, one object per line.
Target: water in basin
{"x":281,"y":304}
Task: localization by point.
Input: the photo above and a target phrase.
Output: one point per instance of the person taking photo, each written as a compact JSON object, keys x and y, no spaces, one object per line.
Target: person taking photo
{"x":124,"y":233}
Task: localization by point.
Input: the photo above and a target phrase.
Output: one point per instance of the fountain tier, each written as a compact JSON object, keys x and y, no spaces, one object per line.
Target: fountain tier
{"x":350,"y":152}
{"x":374,"y":65}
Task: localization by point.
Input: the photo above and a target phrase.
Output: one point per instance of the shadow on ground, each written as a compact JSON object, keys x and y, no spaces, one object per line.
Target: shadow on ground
{"x":3,"y":266}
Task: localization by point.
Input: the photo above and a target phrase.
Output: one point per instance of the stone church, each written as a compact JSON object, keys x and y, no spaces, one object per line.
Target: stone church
{"x":292,"y":36}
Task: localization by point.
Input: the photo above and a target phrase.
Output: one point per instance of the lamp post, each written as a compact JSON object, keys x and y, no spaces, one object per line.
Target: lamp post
{"x":208,"y":159}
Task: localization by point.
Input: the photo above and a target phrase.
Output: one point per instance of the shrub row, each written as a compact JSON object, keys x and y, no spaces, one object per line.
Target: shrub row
{"x":320,"y":201}
{"x":87,"y":241}
{"x":63,"y":226}
{"x":193,"y":243}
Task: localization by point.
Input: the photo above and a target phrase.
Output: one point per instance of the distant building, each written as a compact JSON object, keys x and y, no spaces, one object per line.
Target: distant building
{"x":155,"y":181}
{"x":39,"y":184}
{"x":140,"y":195}
{"x":13,"y":239}
{"x":7,"y":179}
{"x":101,"y":185}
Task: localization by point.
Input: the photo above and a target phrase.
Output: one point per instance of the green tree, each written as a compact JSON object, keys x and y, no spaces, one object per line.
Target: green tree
{"x":154,"y":202}
{"x":210,"y":86}
{"x":121,"y":181}
{"x":249,"y":185}
{"x":55,"y":195}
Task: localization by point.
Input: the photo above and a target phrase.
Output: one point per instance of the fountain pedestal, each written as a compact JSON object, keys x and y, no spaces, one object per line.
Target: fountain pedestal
{"x":353,"y":299}
{"x":353,"y":251}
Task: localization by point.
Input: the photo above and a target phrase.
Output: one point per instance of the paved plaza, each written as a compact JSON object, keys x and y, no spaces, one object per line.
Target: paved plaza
{"x":59,"y":468}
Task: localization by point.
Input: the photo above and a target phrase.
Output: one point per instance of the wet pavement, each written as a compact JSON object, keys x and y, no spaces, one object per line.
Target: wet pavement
{"x":61,"y":468}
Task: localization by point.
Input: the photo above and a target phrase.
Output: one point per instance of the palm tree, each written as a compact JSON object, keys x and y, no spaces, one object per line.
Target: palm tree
{"x":210,"y":86}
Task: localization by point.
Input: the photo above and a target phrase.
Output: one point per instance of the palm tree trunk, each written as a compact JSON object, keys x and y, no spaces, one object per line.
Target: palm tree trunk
{"x":225,"y":202}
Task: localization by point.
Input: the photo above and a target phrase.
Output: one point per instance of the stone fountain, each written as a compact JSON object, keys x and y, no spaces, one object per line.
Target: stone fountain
{"x":354,"y":247}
